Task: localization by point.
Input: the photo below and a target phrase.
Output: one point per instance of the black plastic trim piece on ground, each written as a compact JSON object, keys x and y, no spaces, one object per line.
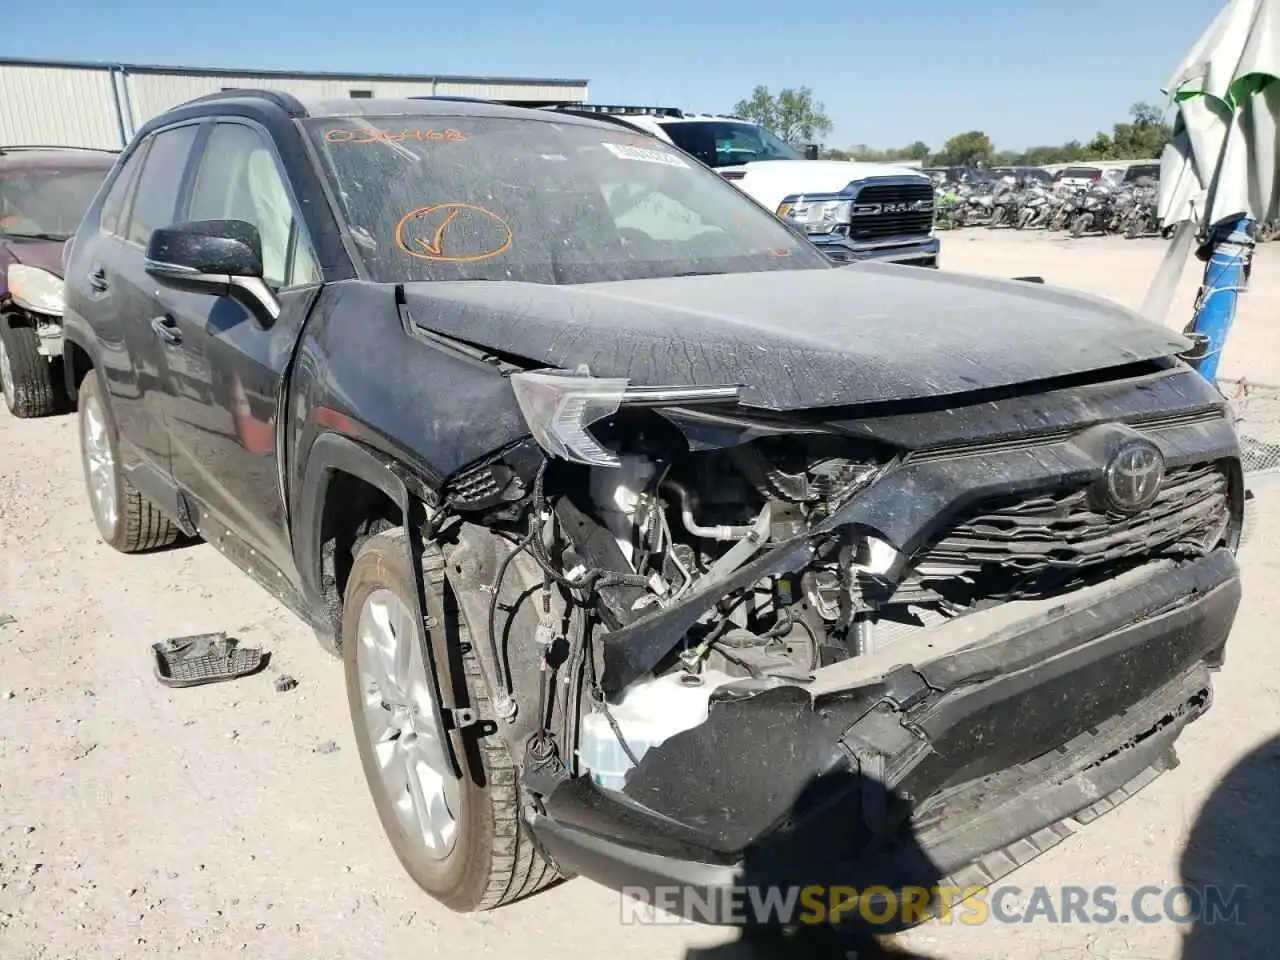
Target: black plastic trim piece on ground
{"x":204,"y":658}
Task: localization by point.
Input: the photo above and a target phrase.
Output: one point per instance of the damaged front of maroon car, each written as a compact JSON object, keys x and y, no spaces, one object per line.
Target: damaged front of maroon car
{"x":44,"y":192}
{"x":805,"y":623}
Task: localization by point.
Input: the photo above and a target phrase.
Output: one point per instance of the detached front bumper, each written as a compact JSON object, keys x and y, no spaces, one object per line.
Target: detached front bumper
{"x":951,"y":758}
{"x":910,"y":251}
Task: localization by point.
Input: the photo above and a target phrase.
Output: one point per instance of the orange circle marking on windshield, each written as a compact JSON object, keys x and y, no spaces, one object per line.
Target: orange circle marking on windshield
{"x":416,"y":246}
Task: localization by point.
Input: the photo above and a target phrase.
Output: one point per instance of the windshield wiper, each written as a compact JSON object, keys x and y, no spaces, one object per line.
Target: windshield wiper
{"x":35,"y":236}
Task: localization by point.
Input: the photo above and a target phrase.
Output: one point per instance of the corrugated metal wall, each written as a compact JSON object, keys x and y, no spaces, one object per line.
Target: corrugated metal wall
{"x":58,"y":106}
{"x":89,"y":106}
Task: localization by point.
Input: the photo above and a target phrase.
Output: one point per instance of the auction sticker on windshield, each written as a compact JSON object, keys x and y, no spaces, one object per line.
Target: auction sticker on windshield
{"x":624,"y":151}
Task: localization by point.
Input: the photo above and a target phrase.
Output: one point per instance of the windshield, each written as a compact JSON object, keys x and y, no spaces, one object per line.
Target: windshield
{"x":46,"y":204}
{"x":467,"y":198}
{"x":1081,"y":173}
{"x":720,"y":143}
{"x":1147,"y":170}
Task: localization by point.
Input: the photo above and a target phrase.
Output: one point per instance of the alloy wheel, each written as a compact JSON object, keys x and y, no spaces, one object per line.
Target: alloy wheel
{"x":415,"y":773}
{"x":99,"y":463}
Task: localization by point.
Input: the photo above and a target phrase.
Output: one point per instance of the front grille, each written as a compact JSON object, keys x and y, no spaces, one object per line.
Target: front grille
{"x":1026,"y":547}
{"x":886,"y":223}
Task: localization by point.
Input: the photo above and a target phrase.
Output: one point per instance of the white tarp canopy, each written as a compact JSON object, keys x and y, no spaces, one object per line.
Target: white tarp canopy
{"x":1221,"y":163}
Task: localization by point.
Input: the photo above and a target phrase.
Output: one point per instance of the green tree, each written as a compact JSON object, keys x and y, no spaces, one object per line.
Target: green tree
{"x":1146,"y":115}
{"x":1100,"y":147}
{"x":794,"y":115}
{"x":965,"y":150}
{"x":1143,"y":138}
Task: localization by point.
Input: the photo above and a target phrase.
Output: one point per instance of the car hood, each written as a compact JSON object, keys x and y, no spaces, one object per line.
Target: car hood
{"x":45,"y":254}
{"x":800,"y":339}
{"x":770,"y":182}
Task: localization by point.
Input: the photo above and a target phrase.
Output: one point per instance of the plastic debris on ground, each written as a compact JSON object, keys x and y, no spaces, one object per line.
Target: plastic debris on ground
{"x":203,"y":658}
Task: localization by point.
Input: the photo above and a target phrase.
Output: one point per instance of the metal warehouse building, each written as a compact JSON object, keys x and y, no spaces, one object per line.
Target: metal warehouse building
{"x":59,"y":103}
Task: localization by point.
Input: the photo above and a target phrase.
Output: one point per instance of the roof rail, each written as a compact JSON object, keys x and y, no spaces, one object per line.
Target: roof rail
{"x":10,"y":148}
{"x":453,"y":97}
{"x":617,"y":119}
{"x":285,"y":101}
{"x":616,"y":109}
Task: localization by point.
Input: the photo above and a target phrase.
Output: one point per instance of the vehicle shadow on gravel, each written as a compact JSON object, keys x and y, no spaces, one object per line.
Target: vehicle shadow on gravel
{"x":905,"y":865}
{"x":1235,"y":846}
{"x":818,"y":943}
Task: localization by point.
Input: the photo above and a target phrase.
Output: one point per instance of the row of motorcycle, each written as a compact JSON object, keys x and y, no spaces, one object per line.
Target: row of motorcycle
{"x":1100,"y":209}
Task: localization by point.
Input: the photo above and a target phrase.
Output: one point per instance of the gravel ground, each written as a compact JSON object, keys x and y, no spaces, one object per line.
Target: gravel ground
{"x":232,"y":819}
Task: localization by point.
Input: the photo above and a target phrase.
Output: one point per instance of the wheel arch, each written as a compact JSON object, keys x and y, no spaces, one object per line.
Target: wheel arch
{"x":348,"y":492}
{"x":78,"y":359}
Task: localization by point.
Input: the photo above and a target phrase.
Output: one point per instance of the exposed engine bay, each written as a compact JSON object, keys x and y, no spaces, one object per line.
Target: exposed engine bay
{"x":684,"y":522}
{"x":690,"y":499}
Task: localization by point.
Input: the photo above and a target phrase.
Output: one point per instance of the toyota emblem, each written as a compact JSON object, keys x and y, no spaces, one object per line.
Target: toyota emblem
{"x":1133,"y":477}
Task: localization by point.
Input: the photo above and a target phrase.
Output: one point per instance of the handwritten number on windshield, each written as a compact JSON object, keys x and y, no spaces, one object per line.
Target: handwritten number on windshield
{"x":374,"y":135}
{"x":426,"y":232}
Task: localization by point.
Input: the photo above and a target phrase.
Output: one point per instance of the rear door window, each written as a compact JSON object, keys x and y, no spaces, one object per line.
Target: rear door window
{"x":160,"y":182}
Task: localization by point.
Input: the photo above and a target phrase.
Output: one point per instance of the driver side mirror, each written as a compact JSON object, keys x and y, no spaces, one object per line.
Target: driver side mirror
{"x":221,"y":258}
{"x":811,"y":151}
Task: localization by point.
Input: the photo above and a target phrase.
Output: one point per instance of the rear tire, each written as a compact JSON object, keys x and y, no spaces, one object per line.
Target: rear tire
{"x":27,"y":379}
{"x":127,"y":520}
{"x":484,"y":858}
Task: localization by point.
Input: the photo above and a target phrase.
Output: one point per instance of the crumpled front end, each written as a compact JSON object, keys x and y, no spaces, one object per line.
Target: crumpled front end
{"x":888,"y":649}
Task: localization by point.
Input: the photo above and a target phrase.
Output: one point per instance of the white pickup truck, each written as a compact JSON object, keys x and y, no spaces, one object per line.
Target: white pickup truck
{"x":851,"y":210}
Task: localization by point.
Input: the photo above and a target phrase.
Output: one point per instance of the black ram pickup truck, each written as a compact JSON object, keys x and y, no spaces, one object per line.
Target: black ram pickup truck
{"x":657,"y":548}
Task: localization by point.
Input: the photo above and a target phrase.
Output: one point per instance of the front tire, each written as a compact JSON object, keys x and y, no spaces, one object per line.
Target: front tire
{"x":460,"y":839}
{"x":27,"y":379}
{"x":126,"y":519}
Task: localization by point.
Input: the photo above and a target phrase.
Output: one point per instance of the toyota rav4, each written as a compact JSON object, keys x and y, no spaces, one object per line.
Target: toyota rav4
{"x":637,"y":568}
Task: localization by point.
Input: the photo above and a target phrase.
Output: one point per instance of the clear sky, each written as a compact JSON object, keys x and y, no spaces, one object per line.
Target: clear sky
{"x":889,"y":72}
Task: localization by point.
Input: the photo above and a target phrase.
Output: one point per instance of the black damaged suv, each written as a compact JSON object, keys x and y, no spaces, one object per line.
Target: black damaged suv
{"x":639,"y":569}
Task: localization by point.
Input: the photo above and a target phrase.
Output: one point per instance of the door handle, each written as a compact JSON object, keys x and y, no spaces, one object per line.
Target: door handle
{"x":167,"y":329}
{"x":98,"y":280}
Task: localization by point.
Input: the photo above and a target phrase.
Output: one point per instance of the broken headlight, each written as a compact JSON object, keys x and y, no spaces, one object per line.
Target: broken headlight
{"x":560,"y":406}
{"x":37,"y":290}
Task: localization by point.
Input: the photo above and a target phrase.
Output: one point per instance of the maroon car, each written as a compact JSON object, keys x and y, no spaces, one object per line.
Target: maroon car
{"x":44,"y":191}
